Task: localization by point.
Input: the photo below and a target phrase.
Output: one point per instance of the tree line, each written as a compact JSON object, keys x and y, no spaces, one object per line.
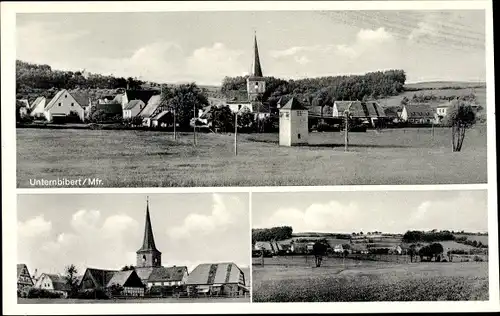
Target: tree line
{"x":271,"y":234}
{"x":34,"y":78}
{"x":325,"y":90}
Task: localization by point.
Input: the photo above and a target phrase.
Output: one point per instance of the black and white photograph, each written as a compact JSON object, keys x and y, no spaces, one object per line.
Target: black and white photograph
{"x":370,"y":246}
{"x":133,"y":248}
{"x":251,"y":98}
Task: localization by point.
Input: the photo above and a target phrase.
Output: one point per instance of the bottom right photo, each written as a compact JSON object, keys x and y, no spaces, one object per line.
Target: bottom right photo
{"x":370,"y":246}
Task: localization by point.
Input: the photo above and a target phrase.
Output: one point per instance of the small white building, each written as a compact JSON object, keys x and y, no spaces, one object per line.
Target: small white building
{"x":294,"y":124}
{"x":61,"y":105}
{"x":53,"y":283}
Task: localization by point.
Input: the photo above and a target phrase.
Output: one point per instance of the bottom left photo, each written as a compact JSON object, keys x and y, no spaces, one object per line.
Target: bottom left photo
{"x":133,"y":248}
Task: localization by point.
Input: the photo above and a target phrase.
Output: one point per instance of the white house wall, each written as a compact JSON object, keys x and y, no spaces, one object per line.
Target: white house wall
{"x":285,"y":117}
{"x":39,"y":108}
{"x":63,"y":106}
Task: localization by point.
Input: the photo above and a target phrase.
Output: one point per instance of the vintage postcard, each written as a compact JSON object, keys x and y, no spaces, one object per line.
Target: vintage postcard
{"x":251,"y":98}
{"x":248,"y":157}
{"x":133,"y":248}
{"x":370,"y":246}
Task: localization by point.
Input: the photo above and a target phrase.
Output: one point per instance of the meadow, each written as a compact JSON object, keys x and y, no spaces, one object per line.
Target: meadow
{"x":132,"y":301}
{"x":128,"y":158}
{"x":353,"y":280}
{"x":438,"y":90}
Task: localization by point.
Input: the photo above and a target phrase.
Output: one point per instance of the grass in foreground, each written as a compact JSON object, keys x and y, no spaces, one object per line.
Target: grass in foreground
{"x":417,"y":282}
{"x":153,"y":159}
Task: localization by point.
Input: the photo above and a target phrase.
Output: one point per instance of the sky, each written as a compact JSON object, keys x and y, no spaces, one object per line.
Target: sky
{"x":204,"y":47}
{"x":105,"y":230}
{"x":387,"y":211}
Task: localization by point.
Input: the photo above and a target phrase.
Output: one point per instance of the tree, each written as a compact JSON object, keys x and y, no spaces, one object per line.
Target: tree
{"x":116,"y":289}
{"x":186,"y":100}
{"x":412,"y":251}
{"x":128,"y":268}
{"x":460,"y":117}
{"x":72,"y":279}
{"x":222,"y":118}
{"x":245,"y":118}
{"x":319,"y":250}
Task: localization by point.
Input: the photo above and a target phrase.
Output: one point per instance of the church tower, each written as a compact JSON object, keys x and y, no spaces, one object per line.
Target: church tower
{"x":148,"y":255}
{"x":256,"y":85}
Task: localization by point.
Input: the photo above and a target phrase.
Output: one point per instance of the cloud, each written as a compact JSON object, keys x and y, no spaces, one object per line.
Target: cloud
{"x":34,"y":227}
{"x":364,"y":41}
{"x":465,"y":211}
{"x":89,"y":241}
{"x":168,"y":62}
{"x":222,"y":216}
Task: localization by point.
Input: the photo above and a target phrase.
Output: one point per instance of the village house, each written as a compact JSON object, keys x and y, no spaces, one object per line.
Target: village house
{"x":338,"y":249}
{"x":98,"y":279}
{"x":124,"y":96}
{"x":418,"y":113}
{"x":168,"y":276}
{"x":369,"y":112}
{"x":133,"y":108}
{"x":162,"y":119}
{"x":61,"y":105}
{"x":53,"y":283}
{"x":216,"y":279}
{"x":150,"y":110}
{"x":24,"y":280}
{"x":293,"y":124}
{"x":38,"y":107}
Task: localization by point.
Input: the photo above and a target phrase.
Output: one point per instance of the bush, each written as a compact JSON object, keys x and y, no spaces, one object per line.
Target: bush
{"x":478,"y":259}
{"x":93,"y":294}
{"x":270,"y":234}
{"x":41,"y":293}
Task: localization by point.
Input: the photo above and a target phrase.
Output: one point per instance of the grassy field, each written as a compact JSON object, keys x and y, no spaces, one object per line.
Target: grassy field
{"x":132,"y":301}
{"x":369,"y":281}
{"x":428,"y":90}
{"x":152,"y":159}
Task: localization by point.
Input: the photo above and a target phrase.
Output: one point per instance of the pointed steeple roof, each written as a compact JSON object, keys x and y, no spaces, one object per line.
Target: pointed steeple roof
{"x":256,"y":68}
{"x":149,"y":240}
{"x":293,"y":104}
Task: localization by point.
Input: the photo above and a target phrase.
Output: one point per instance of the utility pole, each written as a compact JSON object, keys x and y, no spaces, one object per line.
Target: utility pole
{"x":236,"y":134}
{"x":346,"y":130}
{"x":194,"y":123}
{"x":175,"y":125}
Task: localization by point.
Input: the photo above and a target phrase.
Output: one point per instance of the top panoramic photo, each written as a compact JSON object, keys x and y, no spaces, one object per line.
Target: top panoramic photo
{"x":251,"y":98}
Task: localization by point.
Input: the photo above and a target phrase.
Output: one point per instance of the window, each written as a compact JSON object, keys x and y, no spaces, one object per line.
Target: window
{"x":287,"y":115}
{"x":65,"y":95}
{"x":59,"y":103}
{"x":72,"y":104}
{"x":298,"y":136}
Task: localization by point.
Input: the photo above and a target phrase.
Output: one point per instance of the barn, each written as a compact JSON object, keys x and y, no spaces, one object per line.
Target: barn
{"x":24,"y":280}
{"x":53,"y":283}
{"x":98,"y":279}
{"x":216,"y":279}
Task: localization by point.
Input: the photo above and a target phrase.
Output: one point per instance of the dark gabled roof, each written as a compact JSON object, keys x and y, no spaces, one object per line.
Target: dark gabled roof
{"x":214,"y":273}
{"x":419,"y":110}
{"x":81,"y":96}
{"x":293,"y":104}
{"x":151,"y":106}
{"x":167,"y":274}
{"x":132,"y":104}
{"x":20,"y":267}
{"x":101,"y":277}
{"x":125,"y":278}
{"x":143,"y":95}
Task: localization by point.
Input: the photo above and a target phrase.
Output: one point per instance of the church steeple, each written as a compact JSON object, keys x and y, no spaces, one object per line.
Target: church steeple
{"x":148,"y":242}
{"x":256,"y":84}
{"x":256,"y":68}
{"x":148,"y":255}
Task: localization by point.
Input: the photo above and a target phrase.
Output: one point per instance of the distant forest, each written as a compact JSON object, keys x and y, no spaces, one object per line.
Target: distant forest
{"x":34,"y":80}
{"x":325,"y":90}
